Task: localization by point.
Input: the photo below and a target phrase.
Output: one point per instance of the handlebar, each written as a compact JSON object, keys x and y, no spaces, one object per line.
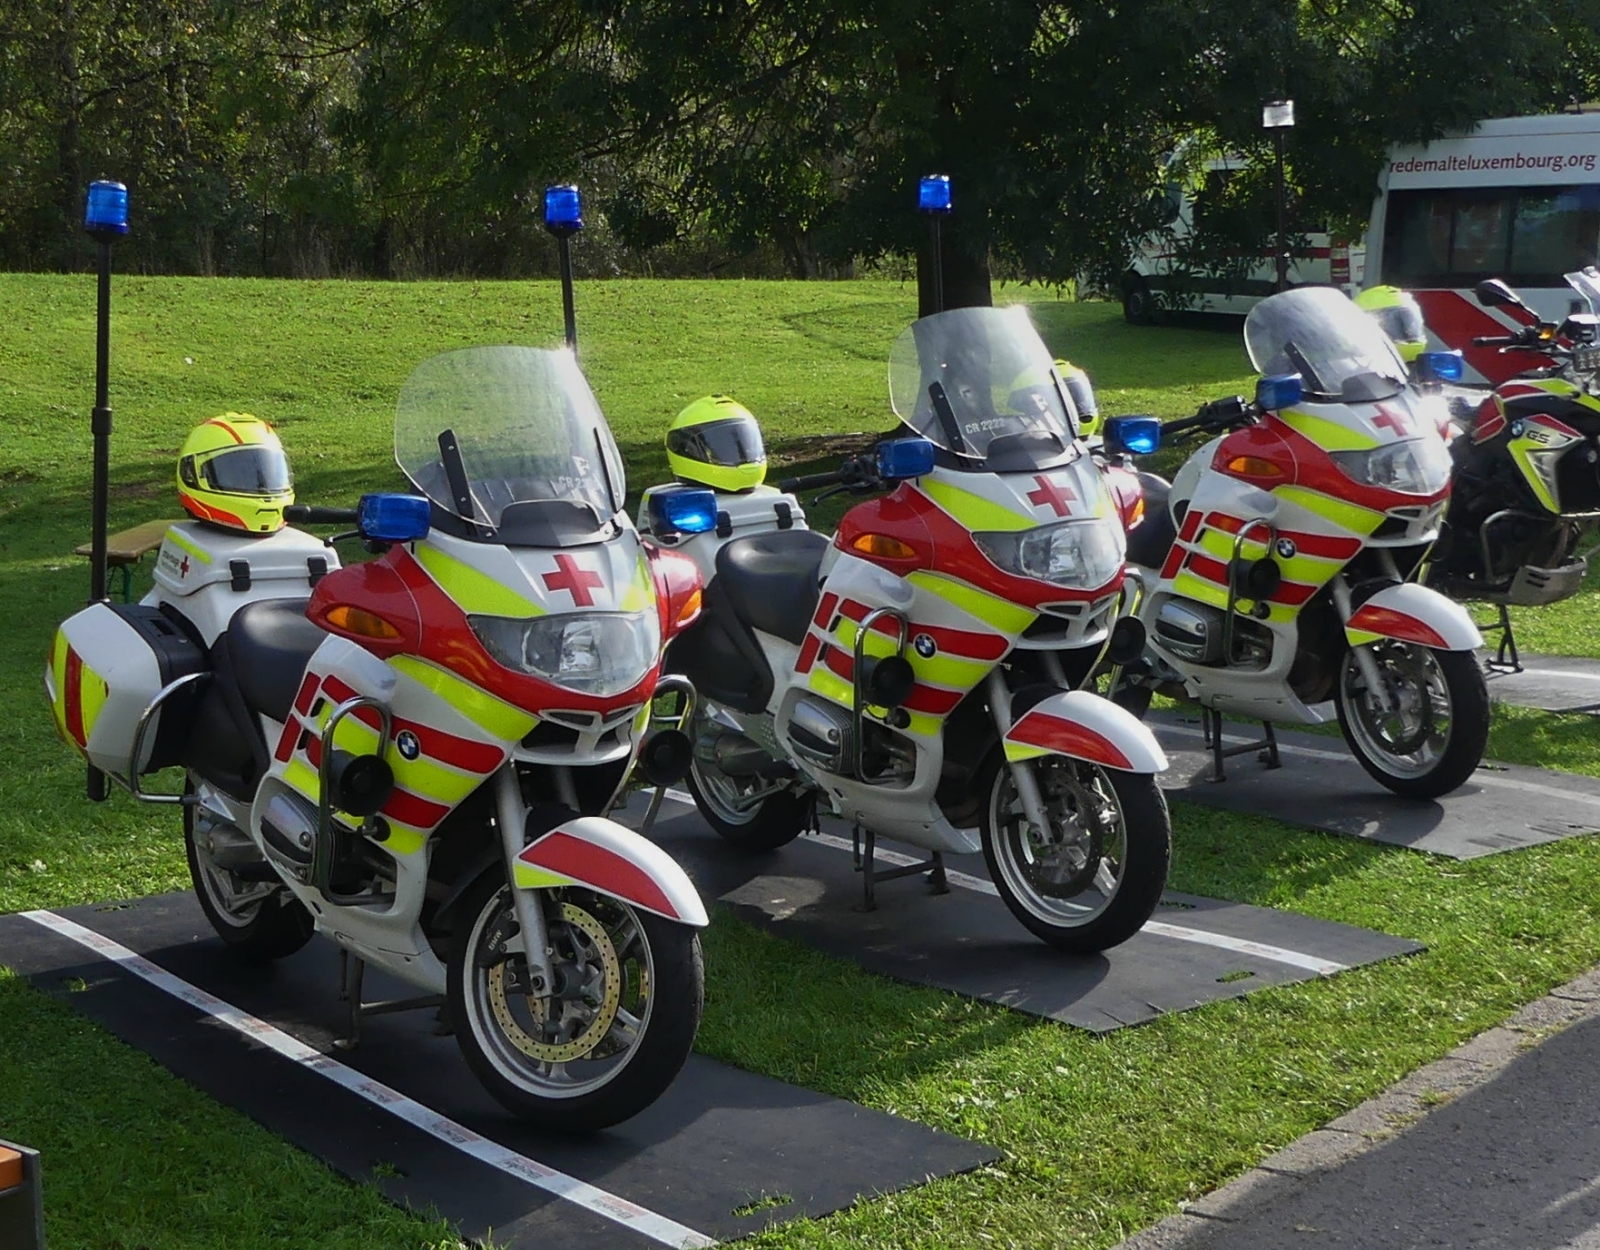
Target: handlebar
{"x":858,"y":474}
{"x":811,"y":481}
{"x":1219,"y":414}
{"x":308,"y":515}
{"x":1495,"y":340}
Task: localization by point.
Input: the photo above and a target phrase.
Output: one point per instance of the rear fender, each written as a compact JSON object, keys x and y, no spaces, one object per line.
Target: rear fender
{"x":1412,"y":613}
{"x":1084,"y":726}
{"x":601,"y":855}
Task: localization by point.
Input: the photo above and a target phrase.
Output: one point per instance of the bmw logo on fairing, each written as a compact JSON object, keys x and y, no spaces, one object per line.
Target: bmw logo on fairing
{"x":1516,"y":429}
{"x":1286,"y":548}
{"x":407,"y":744}
{"x":926,"y":647}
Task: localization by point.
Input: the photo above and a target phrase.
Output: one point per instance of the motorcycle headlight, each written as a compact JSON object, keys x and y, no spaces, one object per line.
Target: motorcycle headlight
{"x":1413,"y":466}
{"x":595,"y":653}
{"x":1080,"y":554}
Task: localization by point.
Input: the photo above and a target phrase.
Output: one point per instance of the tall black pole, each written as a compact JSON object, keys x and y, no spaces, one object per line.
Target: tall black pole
{"x":1283,"y":216}
{"x":564,"y":246}
{"x":100,"y":427}
{"x":936,"y":241}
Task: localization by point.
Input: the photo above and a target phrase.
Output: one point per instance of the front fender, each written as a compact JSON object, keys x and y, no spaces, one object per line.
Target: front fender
{"x":603,"y":856}
{"x":1412,"y":613}
{"x":1085,"y":727}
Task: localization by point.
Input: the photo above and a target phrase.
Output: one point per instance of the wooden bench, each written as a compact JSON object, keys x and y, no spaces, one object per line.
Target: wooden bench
{"x":126,"y":549}
{"x":21,"y":1199}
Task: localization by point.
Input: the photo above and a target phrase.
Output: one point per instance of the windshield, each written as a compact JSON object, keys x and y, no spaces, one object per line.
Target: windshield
{"x":480,"y":430}
{"x":1341,"y":354}
{"x":973,"y":378}
{"x":1586,"y":282}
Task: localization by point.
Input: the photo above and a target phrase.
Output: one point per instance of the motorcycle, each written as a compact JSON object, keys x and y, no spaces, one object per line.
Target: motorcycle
{"x":915,"y":675}
{"x":1527,"y":471}
{"x":1279,"y":568}
{"x":413,"y":754}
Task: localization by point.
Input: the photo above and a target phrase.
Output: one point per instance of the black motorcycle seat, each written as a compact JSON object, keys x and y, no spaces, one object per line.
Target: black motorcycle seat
{"x":270,"y":643}
{"x":770,"y":580}
{"x":1153,"y":537}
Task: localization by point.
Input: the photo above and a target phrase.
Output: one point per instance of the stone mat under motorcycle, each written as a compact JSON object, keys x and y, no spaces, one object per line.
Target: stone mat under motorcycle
{"x":718,"y":1143}
{"x":1552,"y":683}
{"x":1502,"y":807}
{"x":1193,"y":951}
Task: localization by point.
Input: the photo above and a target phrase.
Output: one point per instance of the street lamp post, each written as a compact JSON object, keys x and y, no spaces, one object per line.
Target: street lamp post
{"x":1278,"y":117}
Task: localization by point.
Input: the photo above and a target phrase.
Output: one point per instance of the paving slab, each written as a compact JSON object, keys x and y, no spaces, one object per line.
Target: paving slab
{"x":723,"y":1154}
{"x":1502,"y":807}
{"x":1194,"y":951}
{"x":1551,"y":683}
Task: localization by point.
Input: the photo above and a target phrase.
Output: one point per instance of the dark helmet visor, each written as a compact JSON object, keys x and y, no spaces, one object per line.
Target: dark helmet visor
{"x":728,"y":443}
{"x":248,"y":471}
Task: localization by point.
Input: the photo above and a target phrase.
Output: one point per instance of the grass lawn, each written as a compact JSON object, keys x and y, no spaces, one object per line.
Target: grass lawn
{"x":1102,"y":1135}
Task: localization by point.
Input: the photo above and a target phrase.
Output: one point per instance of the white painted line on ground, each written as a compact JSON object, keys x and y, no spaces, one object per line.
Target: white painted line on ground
{"x":1480,"y":777}
{"x":657,"y":1228}
{"x":1546,"y":672}
{"x":1161,"y":928}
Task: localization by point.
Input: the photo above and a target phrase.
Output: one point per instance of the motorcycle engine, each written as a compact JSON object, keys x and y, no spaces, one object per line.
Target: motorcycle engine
{"x":820,"y":733}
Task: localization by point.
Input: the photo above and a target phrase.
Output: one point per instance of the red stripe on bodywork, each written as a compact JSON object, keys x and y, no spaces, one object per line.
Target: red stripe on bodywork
{"x":286,"y":740}
{"x":1039,"y":729}
{"x":1455,"y":323}
{"x":72,"y":697}
{"x":962,"y":643}
{"x":463,"y":753}
{"x":308,"y":692}
{"x":808,"y":654}
{"x":825,"y":610}
{"x":596,"y":866}
{"x":1393,"y":624}
{"x":934,"y":700}
{"x":1191,"y":524}
{"x":407,"y":808}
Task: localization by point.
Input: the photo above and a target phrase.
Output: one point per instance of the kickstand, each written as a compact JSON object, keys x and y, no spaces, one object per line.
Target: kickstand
{"x":1266,"y":746}
{"x":863,"y":843}
{"x":352,"y":970}
{"x":1506,"y":659}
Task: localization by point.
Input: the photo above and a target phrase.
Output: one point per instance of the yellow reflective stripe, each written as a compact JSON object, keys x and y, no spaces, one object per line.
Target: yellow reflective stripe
{"x":1219,"y":544}
{"x":92,"y":695}
{"x":176,"y":538}
{"x":640,"y":595}
{"x":943,"y":669}
{"x":1196,"y":587}
{"x":528,"y":877}
{"x":830,"y":685}
{"x":421,"y":776}
{"x":1341,"y":512}
{"x":1518,"y":447}
{"x":974,"y":511}
{"x":1003,"y":615}
{"x":494,"y":716}
{"x":1018,"y":751}
{"x":302,"y":777}
{"x":473,"y":591}
{"x":58,"y":688}
{"x":1360,"y":637}
{"x":1330,"y":435}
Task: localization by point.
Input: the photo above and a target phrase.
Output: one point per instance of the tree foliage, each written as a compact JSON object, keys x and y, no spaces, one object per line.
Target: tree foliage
{"x":414,"y":136}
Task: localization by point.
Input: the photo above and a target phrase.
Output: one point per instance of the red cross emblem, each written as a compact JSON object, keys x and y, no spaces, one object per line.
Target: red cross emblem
{"x":183,"y":569}
{"x":573,"y":579}
{"x":1058,"y":497}
{"x":1393,"y":421}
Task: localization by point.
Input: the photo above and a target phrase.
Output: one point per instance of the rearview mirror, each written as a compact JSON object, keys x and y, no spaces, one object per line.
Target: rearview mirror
{"x":1139,"y":435}
{"x":1493,"y":293}
{"x":389,"y":518}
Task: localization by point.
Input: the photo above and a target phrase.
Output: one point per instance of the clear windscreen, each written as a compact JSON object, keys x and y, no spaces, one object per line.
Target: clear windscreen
{"x":1586,"y":282}
{"x":970,"y":377}
{"x":524,"y":425}
{"x":1341,"y":354}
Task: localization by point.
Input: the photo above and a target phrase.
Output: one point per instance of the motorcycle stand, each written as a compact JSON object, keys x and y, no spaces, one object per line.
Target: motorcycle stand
{"x":351,"y":970}
{"x":863,"y":842}
{"x":1506,"y":659}
{"x":1266,"y":747}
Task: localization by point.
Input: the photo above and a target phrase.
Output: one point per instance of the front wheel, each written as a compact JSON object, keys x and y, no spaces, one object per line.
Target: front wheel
{"x":256,"y":920}
{"x":1433,"y":733}
{"x":1095,"y":876}
{"x":616,"y":1026}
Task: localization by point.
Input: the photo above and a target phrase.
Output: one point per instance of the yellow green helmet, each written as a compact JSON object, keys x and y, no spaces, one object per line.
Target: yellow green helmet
{"x":232,"y":472}
{"x":1400,"y":316}
{"x":715,"y":442}
{"x":1078,"y":386}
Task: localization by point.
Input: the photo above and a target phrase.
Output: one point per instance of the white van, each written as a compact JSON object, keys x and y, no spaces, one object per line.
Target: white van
{"x":1516,"y":198}
{"x":1154,"y":281}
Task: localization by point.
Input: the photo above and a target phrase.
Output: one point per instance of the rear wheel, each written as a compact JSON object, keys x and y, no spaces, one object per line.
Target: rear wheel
{"x":1095,"y":876}
{"x":1138,"y":302}
{"x":1434,"y":730}
{"x":257,"y":920}
{"x":730,"y":806}
{"x":615,"y":1030}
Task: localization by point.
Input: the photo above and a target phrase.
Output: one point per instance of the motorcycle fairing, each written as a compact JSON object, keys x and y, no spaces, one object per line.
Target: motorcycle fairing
{"x":1412,"y":613}
{"x":1536,"y":444}
{"x":1085,"y":726}
{"x":602,"y":855}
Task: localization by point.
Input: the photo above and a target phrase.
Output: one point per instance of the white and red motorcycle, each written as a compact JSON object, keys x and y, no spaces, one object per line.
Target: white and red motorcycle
{"x":413,"y":754}
{"x":1280,"y":570}
{"x":915,"y":674}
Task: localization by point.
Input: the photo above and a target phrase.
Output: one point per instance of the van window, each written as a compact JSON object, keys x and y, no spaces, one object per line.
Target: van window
{"x":1454,"y":237}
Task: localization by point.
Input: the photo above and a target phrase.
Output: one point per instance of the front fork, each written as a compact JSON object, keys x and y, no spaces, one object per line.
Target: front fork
{"x":1365,"y":660}
{"x":511,"y":814}
{"x":1021,"y":771}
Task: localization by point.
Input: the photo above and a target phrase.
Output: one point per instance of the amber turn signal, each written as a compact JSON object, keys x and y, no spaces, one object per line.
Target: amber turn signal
{"x":360,"y":622}
{"x":883,"y":546}
{"x":1254,"y":466}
